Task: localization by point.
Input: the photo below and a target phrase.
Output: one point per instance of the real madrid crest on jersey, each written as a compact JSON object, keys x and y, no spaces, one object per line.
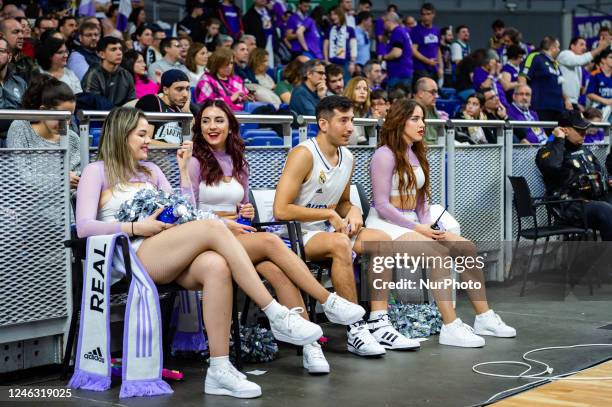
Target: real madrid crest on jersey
{"x":322,"y":177}
{"x":576,"y":163}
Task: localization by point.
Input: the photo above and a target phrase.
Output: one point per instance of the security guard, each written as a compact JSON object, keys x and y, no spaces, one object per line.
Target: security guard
{"x":571,"y":171}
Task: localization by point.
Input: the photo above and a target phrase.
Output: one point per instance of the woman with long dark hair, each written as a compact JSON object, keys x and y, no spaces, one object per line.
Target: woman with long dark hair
{"x":401,"y":191}
{"x":198,"y":255}
{"x":220,"y":179}
{"x":133,"y":61}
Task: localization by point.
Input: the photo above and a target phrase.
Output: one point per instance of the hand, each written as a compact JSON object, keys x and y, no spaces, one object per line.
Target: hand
{"x":351,"y":68}
{"x":151,"y":226}
{"x":568,"y":104}
{"x":339,"y":224}
{"x":183,"y":155}
{"x":239,"y":229}
{"x":321,"y":89}
{"x":501,"y":112}
{"x":74,"y":179}
{"x":237,"y":96}
{"x":158,"y":75}
{"x":247,"y":211}
{"x":432,"y":61}
{"x":558,"y":132}
{"x":355,"y":221}
{"x":427,"y":231}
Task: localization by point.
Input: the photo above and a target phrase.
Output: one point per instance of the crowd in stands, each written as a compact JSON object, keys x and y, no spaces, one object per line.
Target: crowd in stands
{"x":276,"y":58}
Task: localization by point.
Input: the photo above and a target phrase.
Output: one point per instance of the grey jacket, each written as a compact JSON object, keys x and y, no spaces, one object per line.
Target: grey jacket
{"x":118,"y":86}
{"x":12,"y":90}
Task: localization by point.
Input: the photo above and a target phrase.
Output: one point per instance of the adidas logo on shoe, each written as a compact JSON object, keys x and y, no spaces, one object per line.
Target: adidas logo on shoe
{"x":95,"y":354}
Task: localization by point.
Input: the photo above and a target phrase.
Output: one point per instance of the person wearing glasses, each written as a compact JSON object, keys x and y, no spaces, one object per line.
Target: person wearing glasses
{"x":306,"y":97}
{"x":84,"y":56}
{"x":52,"y":57}
{"x":171,"y":54}
{"x":493,"y":107}
{"x":12,"y":31}
{"x":425,"y":93}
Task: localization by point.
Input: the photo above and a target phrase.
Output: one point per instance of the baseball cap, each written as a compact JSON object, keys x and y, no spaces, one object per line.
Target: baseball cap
{"x":171,"y":76}
{"x":573,"y":118}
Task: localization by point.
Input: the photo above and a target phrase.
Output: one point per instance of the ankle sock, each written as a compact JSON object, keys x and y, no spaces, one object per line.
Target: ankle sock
{"x":374,"y":315}
{"x":272,"y":310}
{"x":219,"y":361}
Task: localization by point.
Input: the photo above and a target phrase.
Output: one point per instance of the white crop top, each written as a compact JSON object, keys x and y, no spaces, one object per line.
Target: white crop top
{"x":220,"y":197}
{"x":420,"y":181}
{"x":120,"y":194}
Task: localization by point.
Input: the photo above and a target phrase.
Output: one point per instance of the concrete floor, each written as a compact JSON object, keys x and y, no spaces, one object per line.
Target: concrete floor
{"x":433,"y":376}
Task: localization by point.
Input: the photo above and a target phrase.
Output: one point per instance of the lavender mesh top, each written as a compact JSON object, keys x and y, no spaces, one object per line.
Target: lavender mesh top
{"x":382,"y":168}
{"x":94,"y":181}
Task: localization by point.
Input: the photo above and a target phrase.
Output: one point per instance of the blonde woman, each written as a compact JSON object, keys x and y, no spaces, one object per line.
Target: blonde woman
{"x":358,"y":91}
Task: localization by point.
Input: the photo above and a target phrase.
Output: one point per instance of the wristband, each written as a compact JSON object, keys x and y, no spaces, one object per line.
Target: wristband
{"x":132,"y":229}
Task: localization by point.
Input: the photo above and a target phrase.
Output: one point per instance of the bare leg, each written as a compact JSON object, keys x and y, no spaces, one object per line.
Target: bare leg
{"x":267,"y":246}
{"x":337,"y":246}
{"x":210,"y":271}
{"x":167,"y":254}
{"x":287,"y":292}
{"x":374,"y":235}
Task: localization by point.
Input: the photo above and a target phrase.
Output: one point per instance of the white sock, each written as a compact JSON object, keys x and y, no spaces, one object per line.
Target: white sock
{"x":377,"y":314}
{"x":485,"y":314}
{"x":272,"y":310}
{"x":219,"y":361}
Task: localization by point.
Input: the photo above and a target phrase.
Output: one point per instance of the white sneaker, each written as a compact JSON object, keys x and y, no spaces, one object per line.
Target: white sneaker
{"x":362,"y":343}
{"x":314,"y":359}
{"x":389,"y":337}
{"x":226,"y":380}
{"x":489,"y":323}
{"x":459,"y":334}
{"x":341,"y":311}
{"x":290,"y":327}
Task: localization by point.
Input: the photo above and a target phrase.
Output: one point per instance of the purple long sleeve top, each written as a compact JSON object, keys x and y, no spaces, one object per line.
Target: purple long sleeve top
{"x":94,"y":181}
{"x":382,"y":168}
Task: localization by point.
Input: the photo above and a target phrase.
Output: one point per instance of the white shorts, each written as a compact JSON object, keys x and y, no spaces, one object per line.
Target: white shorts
{"x":308,"y":234}
{"x":374,"y":221}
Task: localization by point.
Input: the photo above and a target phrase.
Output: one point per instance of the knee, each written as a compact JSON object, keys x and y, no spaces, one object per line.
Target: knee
{"x":271,"y":241}
{"x":211,"y":226}
{"x":341,"y":246}
{"x":216,"y":267}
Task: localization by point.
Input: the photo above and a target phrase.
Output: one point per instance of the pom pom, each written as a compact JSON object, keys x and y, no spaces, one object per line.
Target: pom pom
{"x":257,"y":344}
{"x":415,"y":320}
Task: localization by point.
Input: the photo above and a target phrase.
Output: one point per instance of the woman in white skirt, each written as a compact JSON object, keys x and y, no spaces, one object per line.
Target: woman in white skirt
{"x":400,"y":188}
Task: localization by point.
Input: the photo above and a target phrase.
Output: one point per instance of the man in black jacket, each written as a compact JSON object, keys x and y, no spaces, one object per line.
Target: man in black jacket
{"x":258,"y":22}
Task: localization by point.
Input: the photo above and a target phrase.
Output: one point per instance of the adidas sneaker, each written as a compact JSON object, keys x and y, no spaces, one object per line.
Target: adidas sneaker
{"x":361,"y":342}
{"x":389,"y":337}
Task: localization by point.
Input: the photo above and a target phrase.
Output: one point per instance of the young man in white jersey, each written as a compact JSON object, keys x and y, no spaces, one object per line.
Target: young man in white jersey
{"x":314,"y":189}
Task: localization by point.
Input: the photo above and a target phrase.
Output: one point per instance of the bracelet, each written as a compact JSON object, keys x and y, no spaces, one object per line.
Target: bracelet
{"x":132,"y":229}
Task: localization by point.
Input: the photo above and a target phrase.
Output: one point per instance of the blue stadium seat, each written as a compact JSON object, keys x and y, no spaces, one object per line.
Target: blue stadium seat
{"x":450,"y":106}
{"x":250,"y":106}
{"x":448,"y":93}
{"x":95,"y":136}
{"x":262,"y":137}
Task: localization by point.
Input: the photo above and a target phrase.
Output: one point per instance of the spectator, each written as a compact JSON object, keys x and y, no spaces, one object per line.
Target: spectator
{"x":109,"y":24}
{"x":396,"y":94}
{"x":171,"y":53}
{"x":446,"y":39}
{"x":12,"y":31}
{"x":603,"y":35}
{"x":224,"y":41}
{"x":258,"y":22}
{"x":520,"y":110}
{"x":399,"y":54}
{"x":211,"y":28}
{"x":460,"y":48}
{"x":487,"y":76}
{"x":362,"y":33}
{"x":143,"y":37}
{"x":52,"y":57}
{"x":231,"y":16}
{"x":184,"y":44}
{"x":426,"y":92}
{"x":493,"y":107}
{"x":11,"y":11}
{"x":133,"y":62}
{"x":541,"y":71}
{"x":358,"y":91}
{"x":42,"y":24}
{"x":12,"y":87}
{"x":221,"y":83}
{"x":250,"y":41}
{"x":241,"y":62}
{"x":510,"y":71}
{"x":425,"y":46}
{"x":291,"y":79}
{"x":340,"y":43}
{"x":196,"y":61}
{"x":264,"y":88}
{"x":46,"y":93}
{"x":473,"y":110}
{"x":380,"y":33}
{"x":303,"y":33}
{"x":571,"y":62}
{"x":512,"y":36}
{"x":409,"y":23}
{"x":465,"y":72}
{"x":84,"y":56}
{"x":498,"y":27}
{"x":594,"y":134}
{"x":599,"y":90}
{"x":349,"y":13}
{"x":109,"y":79}
{"x":279,"y":9}
{"x":174,"y":99}
{"x":137,"y":18}
{"x":374,"y":74}
{"x":191,"y":25}
{"x":28,"y":41}
{"x":365,"y":6}
{"x":306,"y":97}
{"x":153,"y":52}
{"x":68,"y":27}
{"x":379,"y":104}
{"x":334,"y":75}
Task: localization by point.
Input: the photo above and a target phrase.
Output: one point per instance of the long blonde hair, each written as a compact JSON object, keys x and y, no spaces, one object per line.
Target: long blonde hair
{"x":114,"y":151}
{"x":361,"y":110}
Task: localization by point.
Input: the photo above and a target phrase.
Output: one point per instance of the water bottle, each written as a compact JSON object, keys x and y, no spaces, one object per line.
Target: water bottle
{"x":167,"y":215}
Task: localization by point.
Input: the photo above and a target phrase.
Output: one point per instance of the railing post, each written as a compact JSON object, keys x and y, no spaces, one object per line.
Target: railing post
{"x":508,"y":149}
{"x":449,"y":129}
{"x":373,"y":138}
{"x":303,"y":129}
{"x":84,"y":141}
{"x":287,"y":139}
{"x":186,"y":129}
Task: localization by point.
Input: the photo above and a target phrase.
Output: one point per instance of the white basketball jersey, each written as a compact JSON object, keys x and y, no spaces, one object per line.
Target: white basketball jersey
{"x":326,"y":183}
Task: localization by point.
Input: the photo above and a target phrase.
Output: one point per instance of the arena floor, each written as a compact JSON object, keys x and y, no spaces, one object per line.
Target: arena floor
{"x":433,"y":376}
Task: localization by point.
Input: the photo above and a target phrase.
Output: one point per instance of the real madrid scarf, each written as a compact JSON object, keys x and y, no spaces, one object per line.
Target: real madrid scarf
{"x":142,"y":337}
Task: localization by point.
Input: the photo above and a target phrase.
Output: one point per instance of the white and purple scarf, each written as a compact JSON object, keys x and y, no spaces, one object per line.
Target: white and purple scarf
{"x":142,"y":336}
{"x":189,"y":336}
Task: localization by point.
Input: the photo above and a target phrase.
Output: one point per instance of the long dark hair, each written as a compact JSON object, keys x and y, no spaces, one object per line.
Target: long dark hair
{"x":391,"y":135}
{"x":129,"y":59}
{"x":45,"y":90}
{"x":211,"y":172}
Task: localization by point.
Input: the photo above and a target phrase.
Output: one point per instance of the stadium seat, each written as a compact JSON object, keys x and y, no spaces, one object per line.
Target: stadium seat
{"x":448,"y":93}
{"x":450,"y":106}
{"x":262,"y":137}
{"x":250,"y":106}
{"x":95,"y":136}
